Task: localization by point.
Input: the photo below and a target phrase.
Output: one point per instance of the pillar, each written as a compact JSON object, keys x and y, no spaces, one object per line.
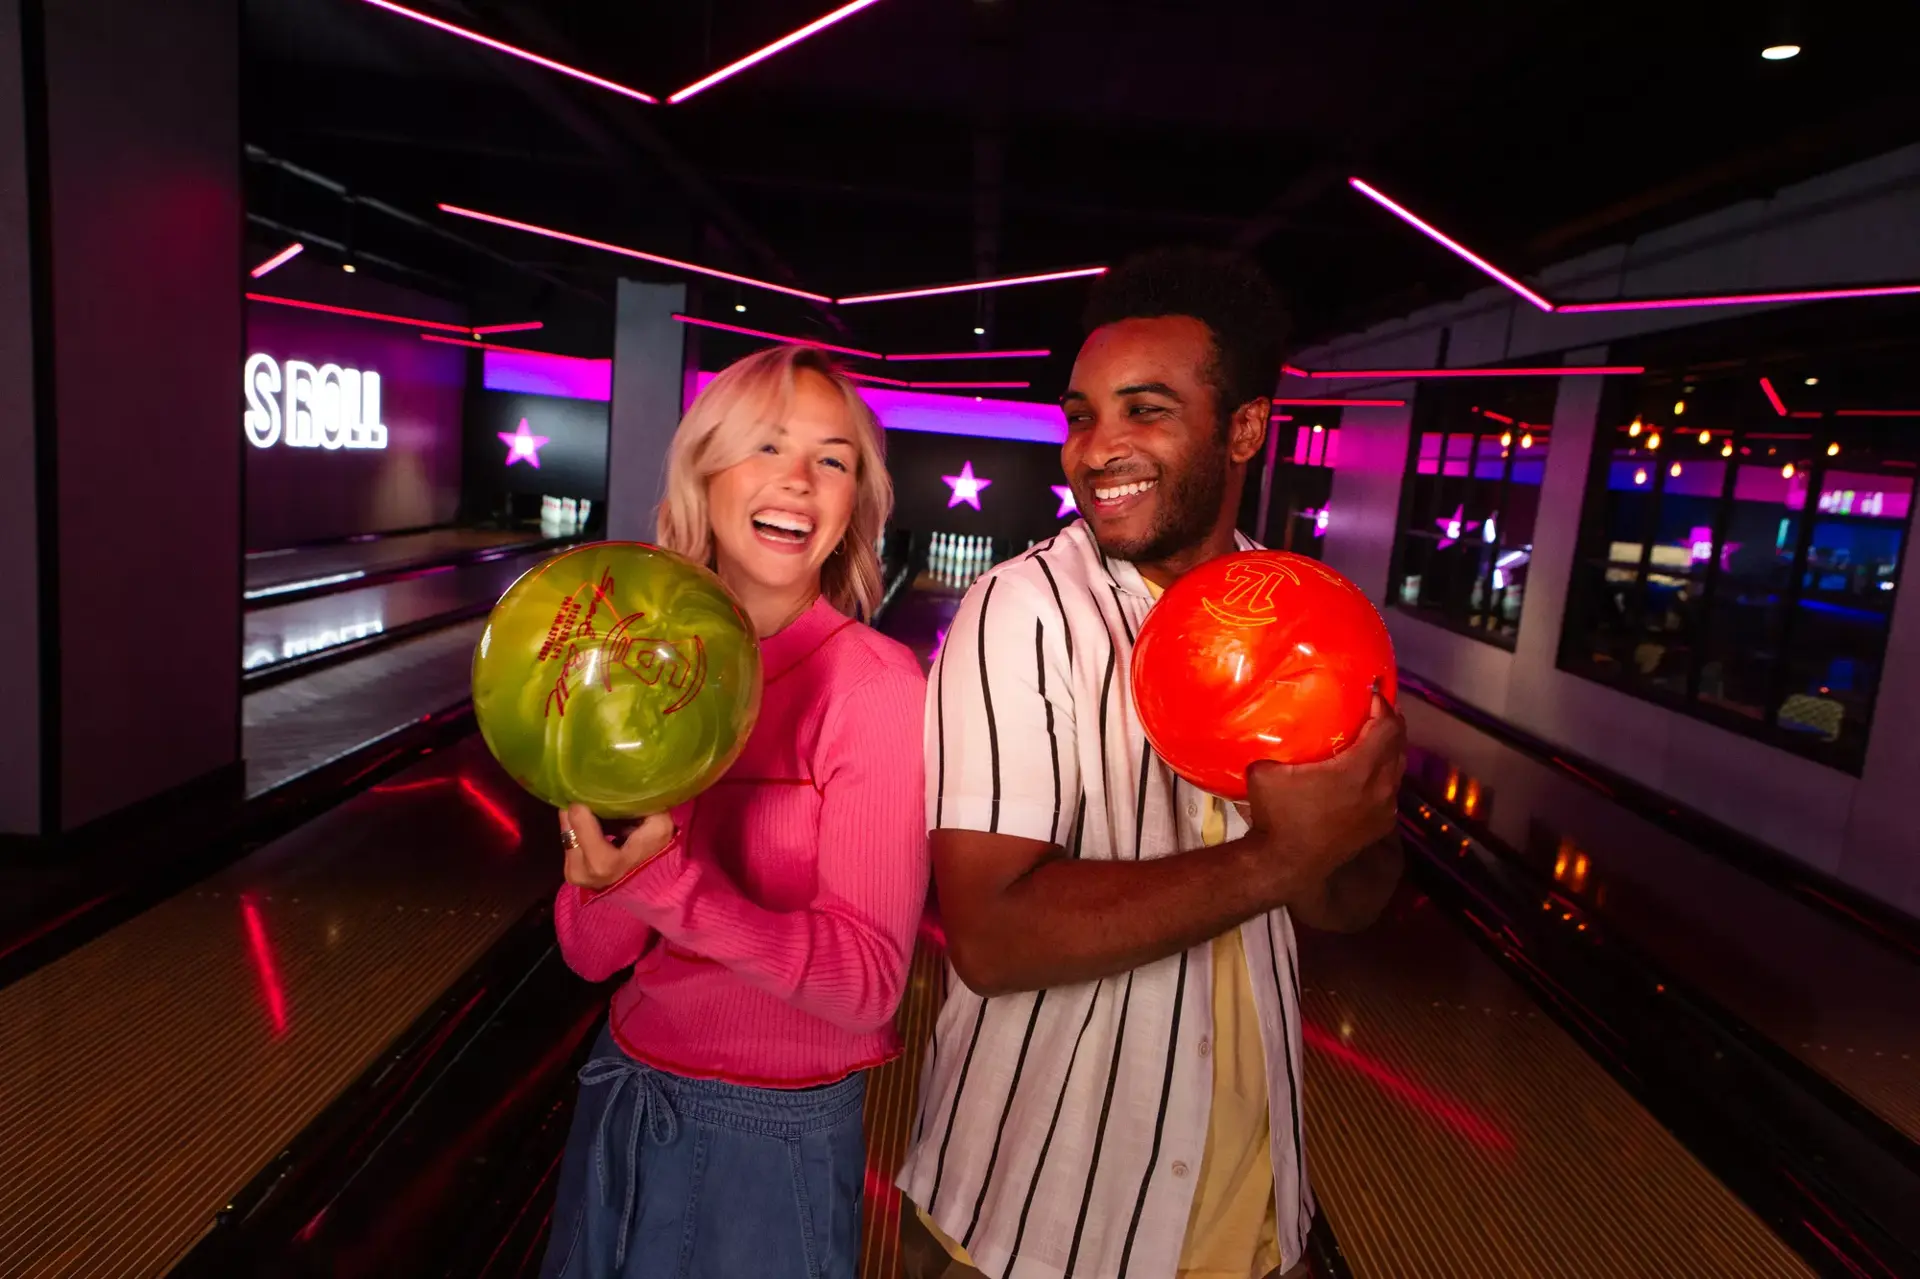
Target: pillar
{"x":648,"y":386}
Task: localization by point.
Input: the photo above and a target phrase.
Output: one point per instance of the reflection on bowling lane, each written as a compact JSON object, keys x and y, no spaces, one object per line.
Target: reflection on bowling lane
{"x":1819,"y":989}
{"x":1452,"y":1128}
{"x":285,"y":632}
{"x":270,"y":573}
{"x":153,"y":1072}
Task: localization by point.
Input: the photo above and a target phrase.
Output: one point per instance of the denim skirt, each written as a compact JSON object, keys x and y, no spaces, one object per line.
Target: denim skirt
{"x":671,"y":1178}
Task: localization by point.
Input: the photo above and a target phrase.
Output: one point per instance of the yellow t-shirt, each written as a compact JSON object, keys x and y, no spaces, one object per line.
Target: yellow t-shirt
{"x":1232,"y":1231}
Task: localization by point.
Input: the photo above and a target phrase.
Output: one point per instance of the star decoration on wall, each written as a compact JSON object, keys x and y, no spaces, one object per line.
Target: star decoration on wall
{"x":523,"y":445}
{"x":966,"y":487}
{"x":1450,"y":527}
{"x":1067,"y":505}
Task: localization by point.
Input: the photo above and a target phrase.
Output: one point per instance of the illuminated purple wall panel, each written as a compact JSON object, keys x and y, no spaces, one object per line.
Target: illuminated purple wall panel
{"x":526,"y":373}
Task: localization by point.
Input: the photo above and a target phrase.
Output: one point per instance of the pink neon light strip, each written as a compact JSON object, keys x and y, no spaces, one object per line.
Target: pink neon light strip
{"x":883,"y":381}
{"x":761,"y":55}
{"x":604,"y":247}
{"x":358,"y":315}
{"x":1287,"y":370}
{"x":1773,"y":396}
{"x":777,"y":337}
{"x":1345,"y":404}
{"x":1563,"y":370}
{"x":969,"y":386}
{"x":1498,"y":417}
{"x":1459,"y":250}
{"x":524,"y":326}
{"x":1877,"y":413}
{"x":515,"y":52}
{"x":975,"y":286}
{"x":281,"y":258}
{"x":1737,"y":299}
{"x":1808,"y":413}
{"x":1037,"y":353}
{"x":482,"y":346}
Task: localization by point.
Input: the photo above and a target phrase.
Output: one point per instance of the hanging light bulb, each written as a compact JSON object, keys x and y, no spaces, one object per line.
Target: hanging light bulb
{"x":1786,"y":472}
{"x":1526,"y":440}
{"x":1706,"y":437}
{"x":1633,"y":427}
{"x":1653,"y":441}
{"x":1726,"y":450}
{"x":1506,"y":439}
{"x":1833,"y":450}
{"x":1679,"y":407}
{"x":1674,"y":470}
{"x":1640,"y":476}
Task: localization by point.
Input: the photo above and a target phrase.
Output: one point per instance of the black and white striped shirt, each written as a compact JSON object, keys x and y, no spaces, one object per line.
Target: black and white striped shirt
{"x":1061,"y":1132}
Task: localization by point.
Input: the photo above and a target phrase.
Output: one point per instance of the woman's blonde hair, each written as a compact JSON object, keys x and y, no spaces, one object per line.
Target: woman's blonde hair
{"x":732,"y":417}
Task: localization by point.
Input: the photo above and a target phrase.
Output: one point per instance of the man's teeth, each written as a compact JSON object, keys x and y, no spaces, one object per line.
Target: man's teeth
{"x":1123,"y":490}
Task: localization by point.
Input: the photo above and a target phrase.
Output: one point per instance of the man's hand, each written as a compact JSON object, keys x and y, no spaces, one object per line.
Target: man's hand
{"x":1314,"y":818}
{"x":595,"y":862}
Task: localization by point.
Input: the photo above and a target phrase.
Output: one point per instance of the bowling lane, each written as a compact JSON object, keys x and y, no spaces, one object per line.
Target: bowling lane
{"x":289,"y":633}
{"x":1829,"y":994}
{"x":273,"y":572}
{"x":153,"y":1072}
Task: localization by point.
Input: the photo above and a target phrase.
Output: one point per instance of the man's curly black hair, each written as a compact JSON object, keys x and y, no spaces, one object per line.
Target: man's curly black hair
{"x":1223,"y":290}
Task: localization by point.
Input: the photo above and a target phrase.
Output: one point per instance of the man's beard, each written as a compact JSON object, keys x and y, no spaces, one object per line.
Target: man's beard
{"x":1189,"y":508}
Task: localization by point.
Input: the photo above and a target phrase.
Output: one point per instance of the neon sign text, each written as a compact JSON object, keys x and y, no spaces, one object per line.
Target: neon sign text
{"x":305,"y":407}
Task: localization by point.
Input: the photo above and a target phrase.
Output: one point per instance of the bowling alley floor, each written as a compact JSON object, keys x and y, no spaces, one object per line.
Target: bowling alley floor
{"x":269,"y":571}
{"x":1838,"y":999}
{"x":153,"y":1072}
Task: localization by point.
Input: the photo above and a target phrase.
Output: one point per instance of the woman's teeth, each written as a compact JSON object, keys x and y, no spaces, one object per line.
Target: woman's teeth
{"x":1123,"y":490}
{"x":781,"y":527}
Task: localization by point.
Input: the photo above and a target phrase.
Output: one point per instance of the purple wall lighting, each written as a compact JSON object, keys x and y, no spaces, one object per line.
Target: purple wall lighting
{"x":529,"y":373}
{"x":979,"y":417}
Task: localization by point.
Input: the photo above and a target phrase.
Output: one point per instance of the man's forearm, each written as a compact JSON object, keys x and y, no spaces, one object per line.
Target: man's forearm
{"x":1068,"y":921}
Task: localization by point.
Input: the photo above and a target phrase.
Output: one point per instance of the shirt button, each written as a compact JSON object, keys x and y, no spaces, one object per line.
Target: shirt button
{"x":1206,"y":1047}
{"x":1193,"y":808}
{"x":1179,"y":1168}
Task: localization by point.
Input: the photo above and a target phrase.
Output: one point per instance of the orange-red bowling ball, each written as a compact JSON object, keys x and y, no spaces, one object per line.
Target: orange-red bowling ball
{"x":1257,"y":655}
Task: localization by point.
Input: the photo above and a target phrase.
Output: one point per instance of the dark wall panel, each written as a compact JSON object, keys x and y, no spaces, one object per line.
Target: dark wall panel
{"x":573,"y":459}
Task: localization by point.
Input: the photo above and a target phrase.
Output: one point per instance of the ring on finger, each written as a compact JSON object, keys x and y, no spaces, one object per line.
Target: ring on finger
{"x":569,"y":839}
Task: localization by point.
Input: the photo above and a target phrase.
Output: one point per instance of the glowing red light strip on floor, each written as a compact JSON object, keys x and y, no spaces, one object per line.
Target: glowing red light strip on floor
{"x":778,"y":337}
{"x":514,"y":51}
{"x":1562,"y":370}
{"x":1448,"y":1111}
{"x":1037,"y":353}
{"x":1453,"y":246}
{"x":623,"y":251}
{"x":761,"y":55}
{"x":263,"y":965}
{"x":1737,"y":299}
{"x":499,"y":817}
{"x":969,"y":386}
{"x":1344,"y":404}
{"x":281,"y":258}
{"x":974,"y":286}
{"x":1766,"y":385}
{"x":359,"y":315}
{"x":524,"y":326}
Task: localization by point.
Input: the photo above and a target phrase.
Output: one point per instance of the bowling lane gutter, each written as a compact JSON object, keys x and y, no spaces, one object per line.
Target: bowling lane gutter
{"x":1838,"y":901}
{"x":402,"y":572}
{"x":1833,"y":1181}
{"x":210,"y":836}
{"x":271,"y":673}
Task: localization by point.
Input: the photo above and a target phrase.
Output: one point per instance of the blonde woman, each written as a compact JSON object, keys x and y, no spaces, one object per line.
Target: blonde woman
{"x":770,"y":922}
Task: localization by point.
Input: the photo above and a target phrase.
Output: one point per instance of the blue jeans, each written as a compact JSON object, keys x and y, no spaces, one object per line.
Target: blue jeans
{"x":671,"y":1178}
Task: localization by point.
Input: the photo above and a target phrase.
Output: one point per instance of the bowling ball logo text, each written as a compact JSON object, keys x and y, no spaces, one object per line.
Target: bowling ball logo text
{"x":593,"y":642}
{"x":1251,"y":587}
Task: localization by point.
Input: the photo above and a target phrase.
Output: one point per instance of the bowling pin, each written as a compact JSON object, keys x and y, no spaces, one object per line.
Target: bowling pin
{"x":586,"y":508}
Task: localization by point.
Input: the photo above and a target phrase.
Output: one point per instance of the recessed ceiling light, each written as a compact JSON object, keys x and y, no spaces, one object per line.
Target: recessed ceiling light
{"x":1813,"y":381}
{"x":347,"y":267}
{"x":1780,"y":52}
{"x":740,"y":306}
{"x":979,"y":332}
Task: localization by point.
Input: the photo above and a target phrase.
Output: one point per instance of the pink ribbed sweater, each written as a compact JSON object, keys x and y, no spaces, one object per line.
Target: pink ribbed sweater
{"x":770,"y":940}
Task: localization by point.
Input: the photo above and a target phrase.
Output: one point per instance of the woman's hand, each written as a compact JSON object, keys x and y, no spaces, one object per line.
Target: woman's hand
{"x":594,"y":861}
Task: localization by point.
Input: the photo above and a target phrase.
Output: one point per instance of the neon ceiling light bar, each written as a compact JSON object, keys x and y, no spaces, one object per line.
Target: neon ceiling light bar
{"x":525,"y":55}
{"x":1035,"y":354}
{"x":1773,"y":396}
{"x":281,"y":258}
{"x":524,"y":326}
{"x":1876,"y":413}
{"x":882,"y":381}
{"x":482,"y":346}
{"x":381,"y":316}
{"x":1737,"y":299}
{"x":1563,"y":370}
{"x":1453,"y":246}
{"x":761,"y":55}
{"x":567,"y":238}
{"x":975,"y":286}
{"x":789,"y":339}
{"x":969,"y":386}
{"x":1342,"y":404}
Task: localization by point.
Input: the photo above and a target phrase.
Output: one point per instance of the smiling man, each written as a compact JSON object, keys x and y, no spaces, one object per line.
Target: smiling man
{"x":1113,"y":1087}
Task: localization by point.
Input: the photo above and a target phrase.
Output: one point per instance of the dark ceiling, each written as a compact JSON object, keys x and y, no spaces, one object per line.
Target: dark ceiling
{"x":925,"y":141}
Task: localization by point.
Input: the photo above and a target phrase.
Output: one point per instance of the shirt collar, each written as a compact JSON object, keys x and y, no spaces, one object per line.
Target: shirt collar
{"x":1125,"y":575}
{"x":793,"y":642}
